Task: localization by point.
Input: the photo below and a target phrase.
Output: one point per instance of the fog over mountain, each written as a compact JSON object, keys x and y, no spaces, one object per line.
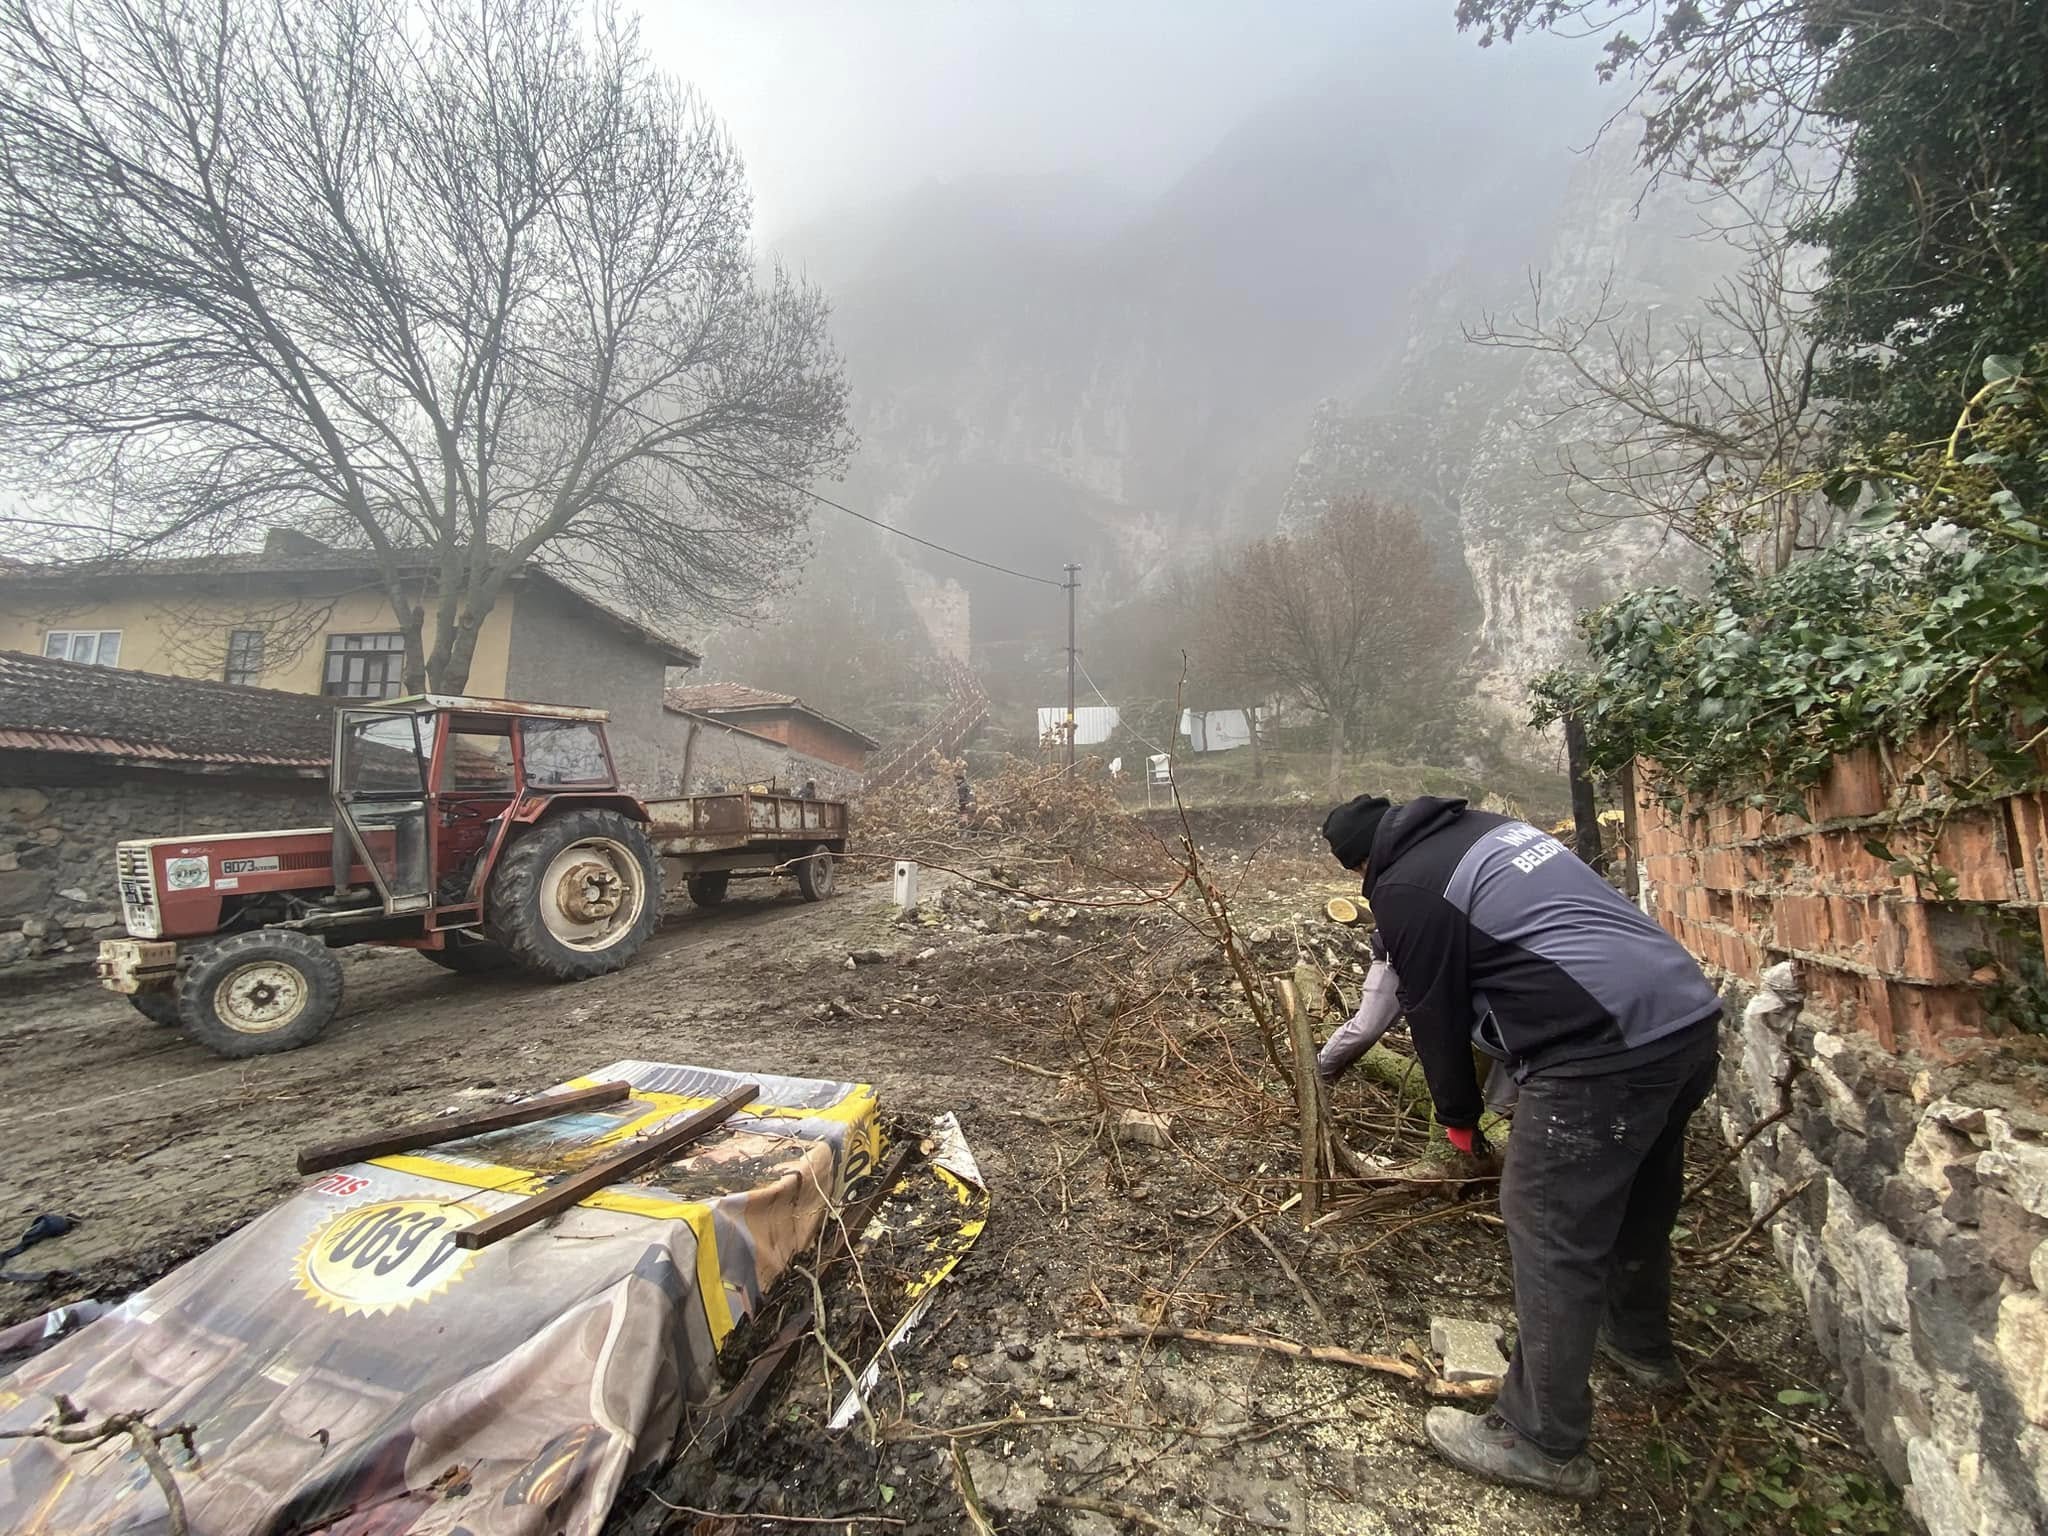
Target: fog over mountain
{"x":1058,"y":353}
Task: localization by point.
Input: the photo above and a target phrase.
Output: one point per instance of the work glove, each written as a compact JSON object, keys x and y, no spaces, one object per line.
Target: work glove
{"x":1468,"y":1140}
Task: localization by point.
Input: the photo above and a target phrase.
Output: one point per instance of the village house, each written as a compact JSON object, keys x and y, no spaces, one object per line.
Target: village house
{"x":301,"y":617}
{"x":742,"y":735}
{"x":185,"y":695}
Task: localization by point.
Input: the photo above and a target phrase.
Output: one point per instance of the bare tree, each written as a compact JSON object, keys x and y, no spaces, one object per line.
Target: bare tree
{"x":1708,"y":424}
{"x":1354,"y":616}
{"x":461,"y":281}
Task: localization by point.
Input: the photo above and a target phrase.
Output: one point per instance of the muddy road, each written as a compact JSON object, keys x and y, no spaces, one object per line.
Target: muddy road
{"x":159,"y":1147}
{"x":1038,"y":1023}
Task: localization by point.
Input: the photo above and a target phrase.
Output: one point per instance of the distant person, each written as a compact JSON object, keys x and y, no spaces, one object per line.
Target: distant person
{"x":963,"y":797}
{"x":809,"y":791}
{"x":1498,"y":937}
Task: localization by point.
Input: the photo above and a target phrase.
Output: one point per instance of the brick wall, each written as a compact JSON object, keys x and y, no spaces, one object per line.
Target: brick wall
{"x":1890,"y":1116}
{"x":61,"y":814}
{"x":1887,"y":953}
{"x":821,"y":741}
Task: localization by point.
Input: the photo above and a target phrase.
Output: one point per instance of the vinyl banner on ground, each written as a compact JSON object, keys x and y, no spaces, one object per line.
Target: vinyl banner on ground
{"x":351,"y":1371}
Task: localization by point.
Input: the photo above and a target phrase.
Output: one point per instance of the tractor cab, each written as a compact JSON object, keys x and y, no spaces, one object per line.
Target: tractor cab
{"x":427,"y":789}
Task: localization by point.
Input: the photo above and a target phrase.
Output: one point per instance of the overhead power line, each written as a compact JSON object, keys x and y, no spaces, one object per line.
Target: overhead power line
{"x":876,"y":522}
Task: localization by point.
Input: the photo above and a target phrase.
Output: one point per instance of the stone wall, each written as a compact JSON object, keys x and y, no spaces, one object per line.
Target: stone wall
{"x":1903,"y":1150}
{"x":61,"y":815}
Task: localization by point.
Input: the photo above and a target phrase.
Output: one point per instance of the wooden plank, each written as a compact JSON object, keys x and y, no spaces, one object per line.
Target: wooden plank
{"x":428,"y":1133}
{"x":559,"y":1197}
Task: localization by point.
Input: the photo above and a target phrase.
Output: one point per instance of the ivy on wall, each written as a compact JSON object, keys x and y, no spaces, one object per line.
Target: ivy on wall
{"x":1936,"y":609}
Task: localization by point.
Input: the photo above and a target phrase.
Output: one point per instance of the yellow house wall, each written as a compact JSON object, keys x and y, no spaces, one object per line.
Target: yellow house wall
{"x":186,"y":634}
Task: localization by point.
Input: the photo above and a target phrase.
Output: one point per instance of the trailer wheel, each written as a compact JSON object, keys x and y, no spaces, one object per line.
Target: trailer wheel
{"x":817,"y":875}
{"x":259,"y":993}
{"x":159,"y":1005}
{"x":467,"y":955}
{"x":576,"y":896}
{"x":709,"y":890}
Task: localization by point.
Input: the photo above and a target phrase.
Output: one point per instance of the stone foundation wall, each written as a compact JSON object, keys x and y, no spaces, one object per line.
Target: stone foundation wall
{"x":1915,"y":1224}
{"x":62,"y":814}
{"x":1879,"y":938}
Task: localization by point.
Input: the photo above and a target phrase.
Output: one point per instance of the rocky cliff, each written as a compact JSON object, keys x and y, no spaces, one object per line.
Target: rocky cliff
{"x":1041,"y":374}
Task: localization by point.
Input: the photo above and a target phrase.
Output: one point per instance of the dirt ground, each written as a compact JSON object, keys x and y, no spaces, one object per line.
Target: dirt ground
{"x":1031,"y":1021}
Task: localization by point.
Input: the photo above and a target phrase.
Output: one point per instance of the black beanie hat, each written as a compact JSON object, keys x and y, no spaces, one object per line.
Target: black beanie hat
{"x":1350,"y":827}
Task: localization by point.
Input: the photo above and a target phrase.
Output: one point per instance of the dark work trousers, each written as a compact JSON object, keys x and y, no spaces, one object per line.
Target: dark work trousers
{"x":1595,"y":1168}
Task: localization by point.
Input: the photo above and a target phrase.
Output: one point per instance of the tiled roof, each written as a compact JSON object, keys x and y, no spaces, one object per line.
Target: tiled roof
{"x":68,"y":706}
{"x":708,"y":698}
{"x":722,"y":701}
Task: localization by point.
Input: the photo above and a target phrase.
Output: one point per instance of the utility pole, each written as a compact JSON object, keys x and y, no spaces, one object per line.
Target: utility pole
{"x":1073,"y":585}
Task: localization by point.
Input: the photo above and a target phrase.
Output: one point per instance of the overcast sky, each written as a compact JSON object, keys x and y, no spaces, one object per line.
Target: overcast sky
{"x":849,"y":103}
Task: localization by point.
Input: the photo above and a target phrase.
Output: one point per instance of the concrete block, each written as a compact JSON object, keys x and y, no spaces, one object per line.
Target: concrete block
{"x":1136,"y":1128}
{"x":1470,"y":1351}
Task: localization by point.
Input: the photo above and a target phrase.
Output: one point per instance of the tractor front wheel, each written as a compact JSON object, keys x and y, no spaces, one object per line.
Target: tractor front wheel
{"x":259,"y":993}
{"x":575,"y":896}
{"x":709,"y":890}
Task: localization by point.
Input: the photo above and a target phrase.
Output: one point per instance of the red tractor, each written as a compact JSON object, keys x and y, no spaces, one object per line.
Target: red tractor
{"x":482,"y":833}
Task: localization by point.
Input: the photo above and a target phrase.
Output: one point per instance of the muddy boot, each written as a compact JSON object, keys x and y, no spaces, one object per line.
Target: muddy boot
{"x":1488,"y":1446}
{"x":1652,"y":1373}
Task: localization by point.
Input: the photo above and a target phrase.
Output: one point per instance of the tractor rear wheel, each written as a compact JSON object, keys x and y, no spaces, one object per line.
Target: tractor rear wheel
{"x":709,"y":890}
{"x":575,"y":896}
{"x":817,"y":876}
{"x":159,"y":1005}
{"x":258,"y":993}
{"x":467,"y":955}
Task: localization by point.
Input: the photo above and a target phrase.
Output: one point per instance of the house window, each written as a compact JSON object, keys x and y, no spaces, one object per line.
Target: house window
{"x":364,"y":666}
{"x":245,"y":656}
{"x":95,"y":647}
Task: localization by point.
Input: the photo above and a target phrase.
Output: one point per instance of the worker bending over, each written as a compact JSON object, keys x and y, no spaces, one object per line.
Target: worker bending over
{"x":1494,"y":935}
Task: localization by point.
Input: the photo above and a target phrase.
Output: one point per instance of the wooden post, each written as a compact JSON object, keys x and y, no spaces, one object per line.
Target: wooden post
{"x":1631,"y":836}
{"x":1308,"y":1093}
{"x":1585,"y":810}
